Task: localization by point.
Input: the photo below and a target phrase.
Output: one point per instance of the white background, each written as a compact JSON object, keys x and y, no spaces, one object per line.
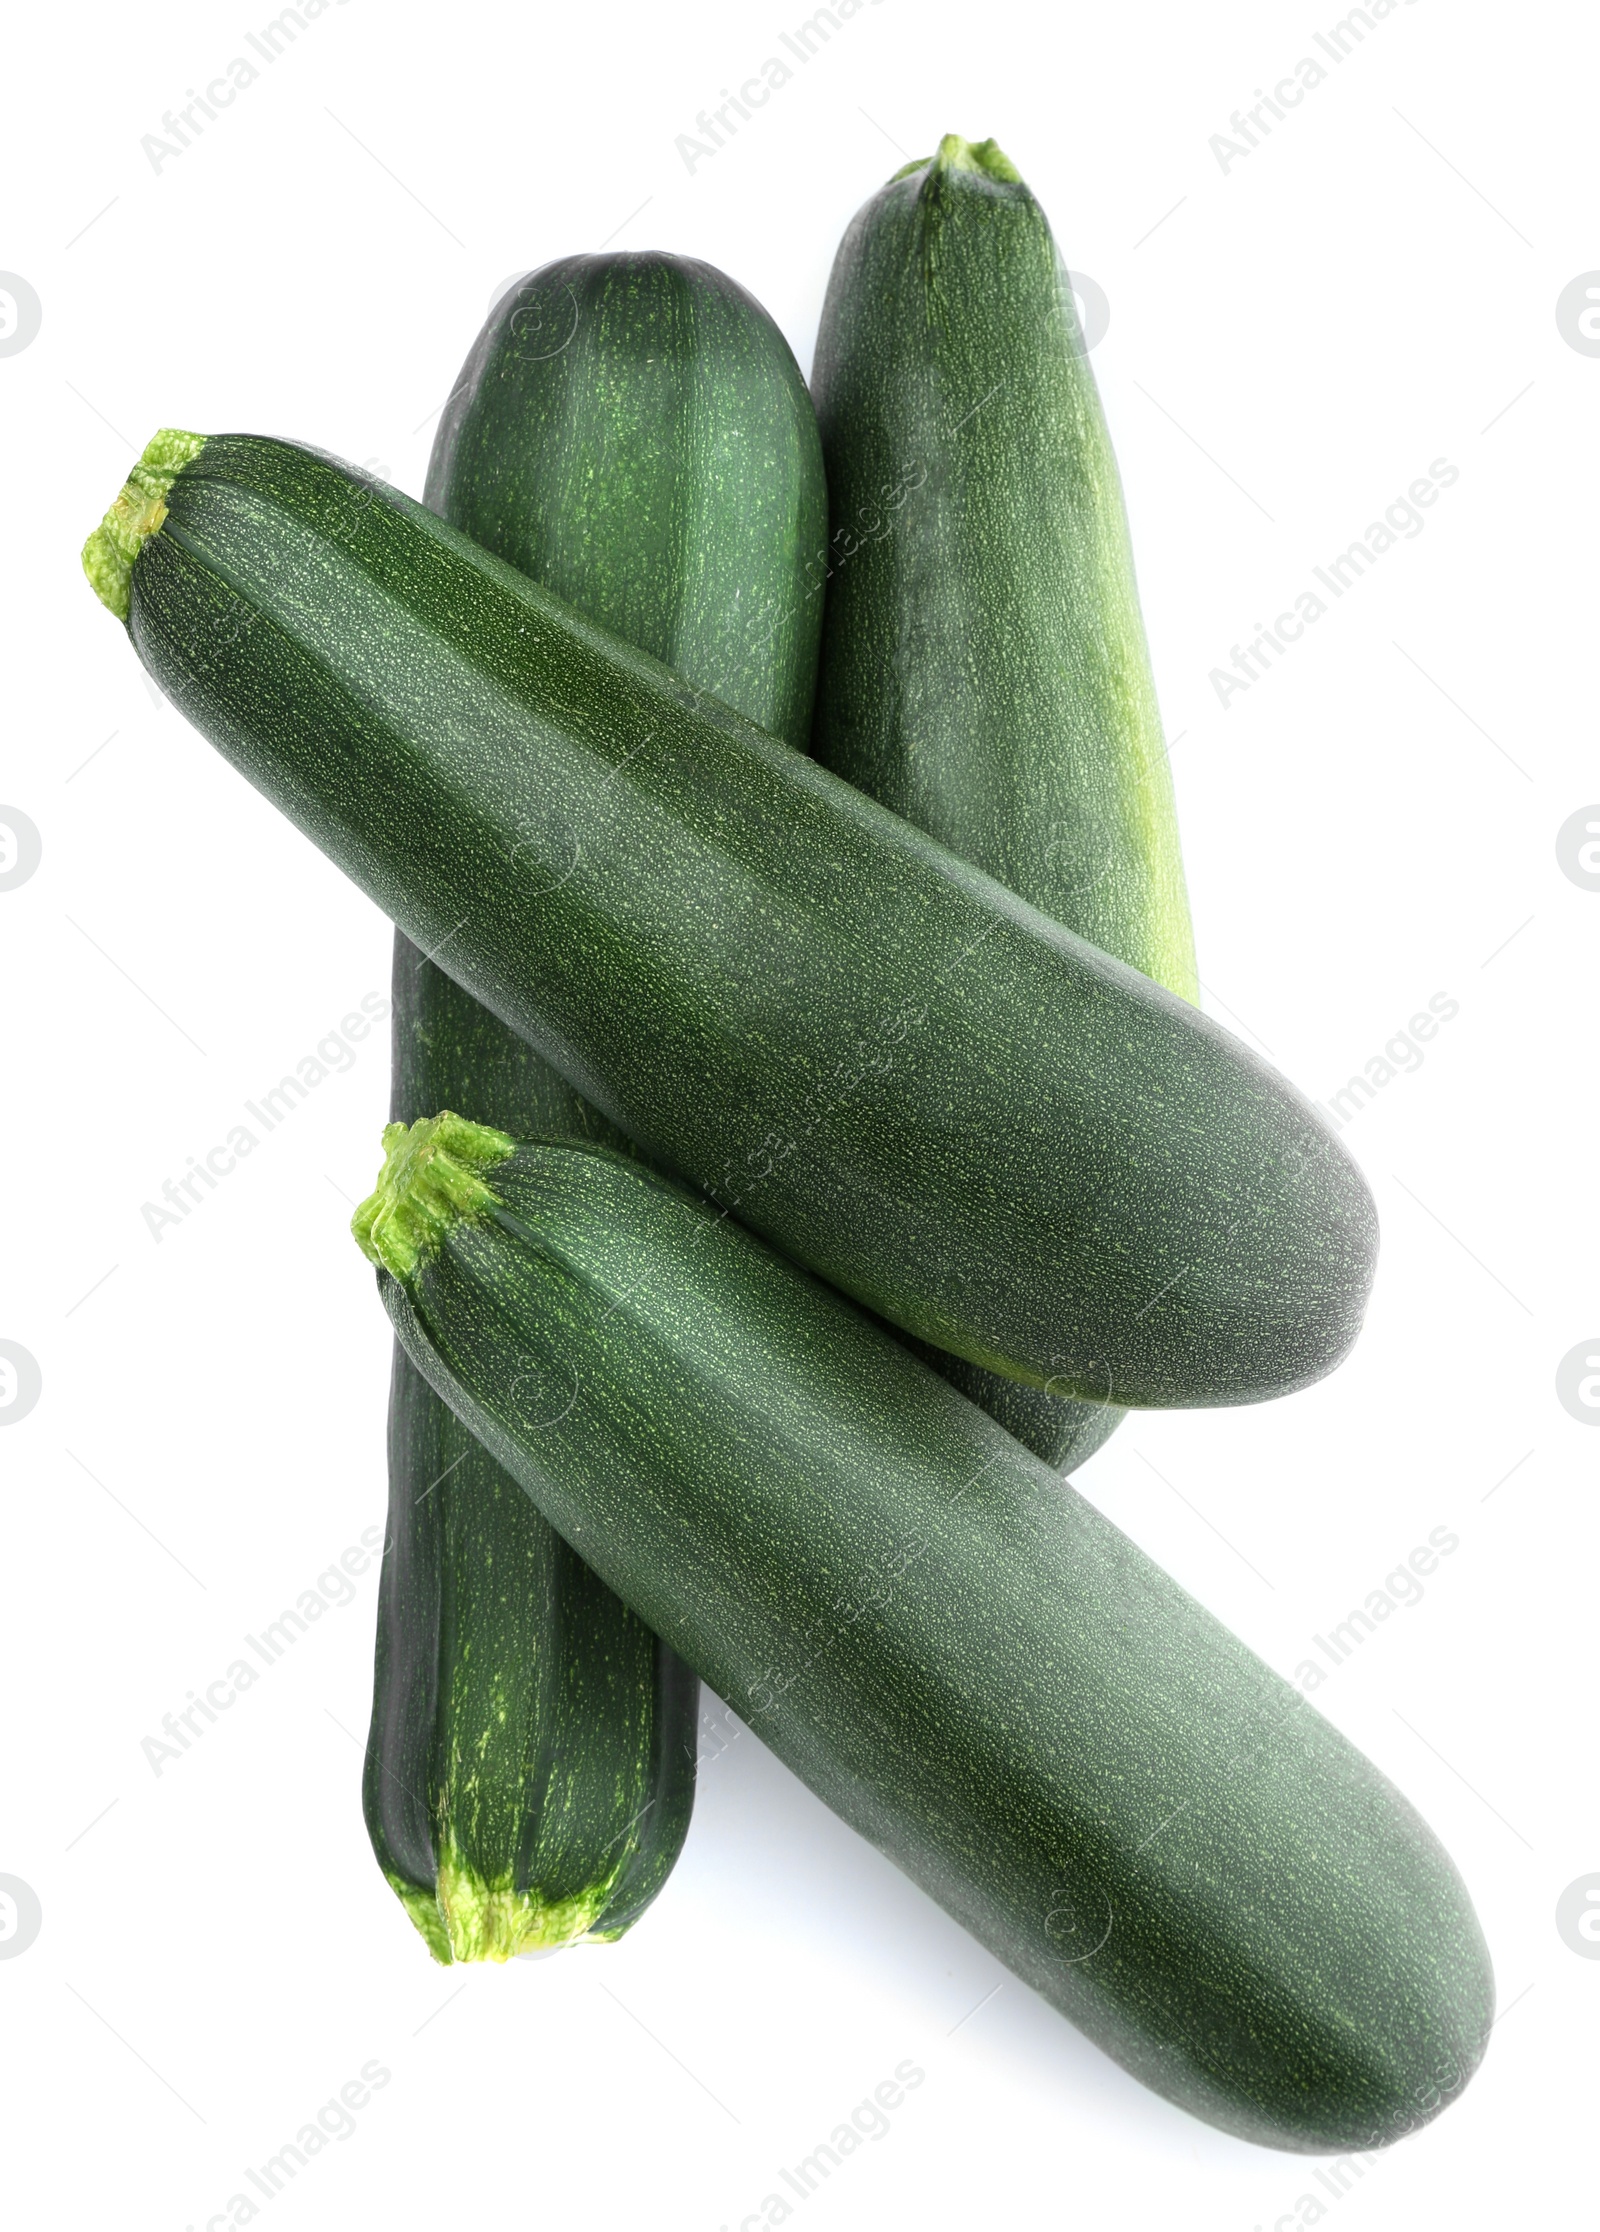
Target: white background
{"x":1374,"y":287}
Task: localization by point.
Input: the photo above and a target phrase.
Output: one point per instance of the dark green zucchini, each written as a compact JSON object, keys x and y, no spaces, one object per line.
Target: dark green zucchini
{"x":529,"y":1777}
{"x":530,"y":1767}
{"x":951,"y":1647}
{"x":633,"y":432}
{"x":984,"y":665}
{"x":1001,"y":1139}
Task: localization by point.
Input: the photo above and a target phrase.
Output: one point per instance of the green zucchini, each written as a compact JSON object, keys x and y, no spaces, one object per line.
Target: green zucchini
{"x":953,"y":1649}
{"x":633,"y":432}
{"x":984,"y":667}
{"x":1001,"y":1139}
{"x":530,"y":1768}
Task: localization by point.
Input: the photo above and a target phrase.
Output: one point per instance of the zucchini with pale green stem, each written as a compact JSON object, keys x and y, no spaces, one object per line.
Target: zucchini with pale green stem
{"x":530,"y":1766}
{"x":996,"y":1136}
{"x":984,"y":668}
{"x":947,"y":1644}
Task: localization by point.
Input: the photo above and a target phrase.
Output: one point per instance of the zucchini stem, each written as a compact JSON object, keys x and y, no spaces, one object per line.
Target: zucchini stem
{"x":109,"y":553}
{"x":430,"y":1178}
{"x":956,"y":153}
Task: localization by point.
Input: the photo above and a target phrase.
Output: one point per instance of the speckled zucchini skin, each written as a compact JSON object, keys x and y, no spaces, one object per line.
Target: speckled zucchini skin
{"x":984,"y":670}
{"x":1001,"y":1139}
{"x":632,"y":431}
{"x":958,"y":1654}
{"x":530,"y":1767}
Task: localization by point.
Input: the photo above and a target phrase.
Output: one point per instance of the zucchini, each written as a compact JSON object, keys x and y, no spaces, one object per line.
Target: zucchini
{"x":994,"y":1135}
{"x":984,"y":666}
{"x":633,"y":432}
{"x":530,"y":1768}
{"x":954,"y":1650}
